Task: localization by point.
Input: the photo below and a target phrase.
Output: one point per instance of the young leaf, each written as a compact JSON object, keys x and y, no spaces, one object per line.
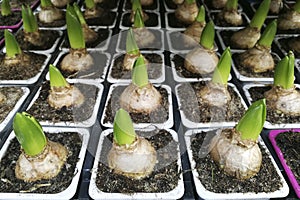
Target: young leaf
{"x":46,"y":3}
{"x":11,"y":44}
{"x":208,"y":35}
{"x":201,"y":14}
{"x":5,"y":8}
{"x":79,"y":14}
{"x":90,"y":4}
{"x":131,"y":46}
{"x":138,"y":19}
{"x":190,"y":1}
{"x":231,"y":4}
{"x":56,"y":78}
{"x":136,"y":4}
{"x":296,"y":6}
{"x":29,"y":21}
{"x":260,"y":15}
{"x":253,"y":121}
{"x":222,"y":70}
{"x":284,"y":72}
{"x":268,"y":35}
{"x":140,"y":74}
{"x":29,"y":134}
{"x":124,"y":133}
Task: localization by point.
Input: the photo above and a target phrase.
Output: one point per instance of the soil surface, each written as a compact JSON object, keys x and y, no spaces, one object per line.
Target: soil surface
{"x":153,"y":6}
{"x":222,"y":23}
{"x":197,"y":111}
{"x":170,"y":4}
{"x":106,"y":19}
{"x":154,"y":69}
{"x":288,"y":45}
{"x":109,"y":4}
{"x":9,"y":183}
{"x":18,"y":3}
{"x":12,"y":95}
{"x":288,"y":142}
{"x":215,"y":180}
{"x":18,"y":72}
{"x":173,"y":22}
{"x":11,"y":20}
{"x":151,"y":22}
{"x":55,"y":24}
{"x":166,"y":172}
{"x":42,"y":111}
{"x":1,"y":33}
{"x":160,"y":115}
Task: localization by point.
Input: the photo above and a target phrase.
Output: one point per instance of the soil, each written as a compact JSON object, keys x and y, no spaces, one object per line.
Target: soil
{"x":222,"y":23}
{"x":17,"y":71}
{"x":150,"y":7}
{"x":1,"y":34}
{"x":18,"y":3}
{"x":12,"y":94}
{"x":173,"y":22}
{"x":49,"y":37}
{"x":106,"y":19}
{"x":287,"y":46}
{"x":9,"y":183}
{"x":154,"y":69}
{"x":42,"y":111}
{"x":160,"y":115}
{"x":95,"y":72}
{"x":151,"y":22}
{"x":109,"y":4}
{"x":170,"y":4}
{"x":209,"y":5}
{"x":55,"y":24}
{"x":197,"y":111}
{"x":273,"y":117}
{"x":164,"y":178}
{"x":288,"y":142}
{"x":177,"y":42}
{"x":215,"y":180}
{"x":11,"y":20}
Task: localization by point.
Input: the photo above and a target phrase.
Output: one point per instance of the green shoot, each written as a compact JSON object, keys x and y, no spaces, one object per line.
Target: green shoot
{"x":208,"y":35}
{"x":131,"y":46}
{"x":284,"y":72}
{"x":124,"y":133}
{"x":268,"y":35}
{"x":29,"y":134}
{"x":296,"y":6}
{"x":5,"y":8}
{"x":56,"y":78}
{"x":138,"y":19}
{"x":136,"y":5}
{"x":140,"y":74}
{"x":11,"y":44}
{"x":46,"y":3}
{"x":74,"y":29}
{"x":29,"y":20}
{"x":90,"y":4}
{"x":79,"y":14}
{"x":260,"y":15}
{"x":201,"y":15}
{"x":253,"y":121}
{"x":222,"y":70}
{"x":231,"y":5}
{"x":190,"y":1}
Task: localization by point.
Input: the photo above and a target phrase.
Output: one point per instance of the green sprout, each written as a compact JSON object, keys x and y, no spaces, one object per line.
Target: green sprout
{"x":201,"y":15}
{"x":260,"y":15}
{"x":190,"y":1}
{"x":268,"y":35}
{"x":29,"y":20}
{"x":46,"y":3}
{"x":79,"y":14}
{"x":136,"y":5}
{"x":139,"y":74}
{"x":253,"y":121}
{"x":56,"y":78}
{"x":284,"y":72}
{"x":5,"y":8}
{"x":11,"y":44}
{"x":74,"y":29}
{"x":296,"y":6}
{"x":222,"y":70}
{"x":231,"y":5}
{"x":208,"y":35}
{"x":29,"y":134}
{"x":124,"y":133}
{"x":131,"y":46}
{"x":90,"y":4}
{"x":138,"y":19}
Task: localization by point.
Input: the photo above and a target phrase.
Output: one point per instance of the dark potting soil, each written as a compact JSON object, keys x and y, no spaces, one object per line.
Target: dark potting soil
{"x":160,"y":115}
{"x":12,"y":95}
{"x":99,"y":42}
{"x":197,"y":111}
{"x":288,"y":142}
{"x":209,"y":5}
{"x":166,"y":172}
{"x":95,"y":72}
{"x":288,"y":45}
{"x":273,"y":117}
{"x":42,"y":111}
{"x":18,"y":3}
{"x":55,"y":24}
{"x":9,"y":183}
{"x":1,"y":33}
{"x":20,"y":71}
{"x":178,"y":43}
{"x":109,"y":4}
{"x":11,"y":20}
{"x":151,"y":22}
{"x":170,"y":4}
{"x":154,"y":69}
{"x":215,"y":180}
{"x":222,"y":23}
{"x":173,"y":22}
{"x":153,"y":6}
{"x":49,"y":37}
{"x":106,"y":19}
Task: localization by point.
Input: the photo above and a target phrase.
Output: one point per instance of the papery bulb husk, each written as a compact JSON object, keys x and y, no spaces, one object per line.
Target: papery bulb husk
{"x":187,"y":13}
{"x":97,"y":12}
{"x":276,"y":6}
{"x":215,"y":94}
{"x":192,"y":34}
{"x":258,"y":59}
{"x":232,"y":17}
{"x":289,"y":20}
{"x":77,"y":60}
{"x":34,"y":38}
{"x":140,"y":100}
{"x":129,"y":61}
{"x":146,"y":2}
{"x":218,"y":3}
{"x":245,"y":38}
{"x":90,"y":35}
{"x":143,"y":37}
{"x":283,"y":100}
{"x":144,"y":15}
{"x":178,"y":1}
{"x":238,"y":158}
{"x":60,"y":3}
{"x":46,"y":165}
{"x":201,"y":60}
{"x":2,"y":98}
{"x":65,"y":96}
{"x":22,"y":59}
{"x":135,"y":161}
{"x":50,"y":14}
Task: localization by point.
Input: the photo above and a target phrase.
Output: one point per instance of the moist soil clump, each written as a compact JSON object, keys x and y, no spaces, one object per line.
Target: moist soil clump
{"x":154,"y":67}
{"x":163,"y":179}
{"x":9,"y":182}
{"x":197,"y":111}
{"x":107,"y":18}
{"x":44,"y":112}
{"x":153,"y":6}
{"x":10,"y":20}
{"x":160,"y":115}
{"x":21,"y":72}
{"x":273,"y":117}
{"x":12,"y":94}
{"x":215,"y":180}
{"x":151,"y":22}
